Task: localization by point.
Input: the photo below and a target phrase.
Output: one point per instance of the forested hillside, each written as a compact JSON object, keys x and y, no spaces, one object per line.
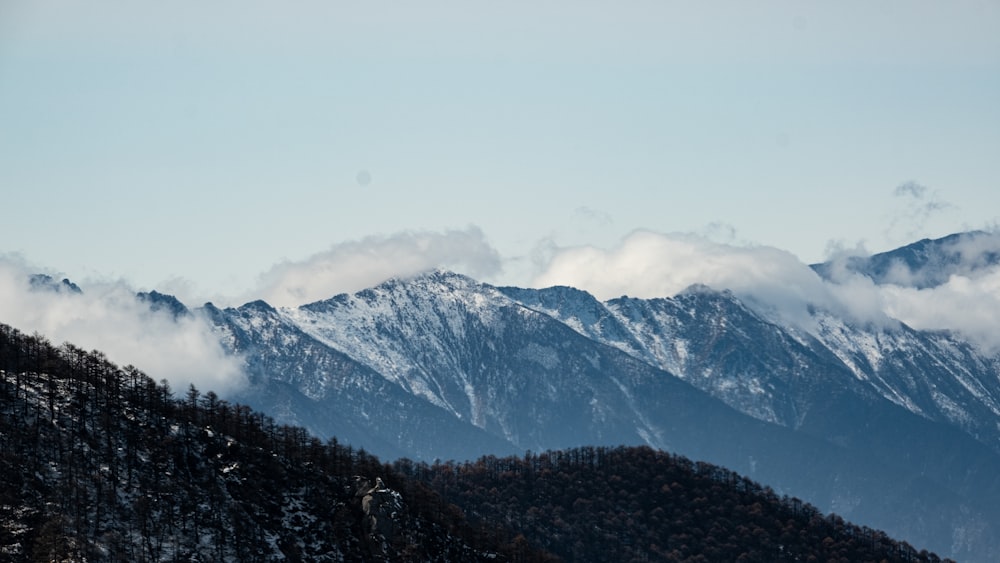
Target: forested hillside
{"x":101,"y":463}
{"x":638,"y":504}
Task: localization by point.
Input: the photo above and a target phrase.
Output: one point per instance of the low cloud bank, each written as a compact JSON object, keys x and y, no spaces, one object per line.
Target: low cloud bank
{"x":953,"y":284}
{"x":646,"y":264}
{"x":108,"y":317}
{"x":649,"y":264}
{"x":960,"y":291}
{"x":966,"y":304}
{"x":356,"y":265}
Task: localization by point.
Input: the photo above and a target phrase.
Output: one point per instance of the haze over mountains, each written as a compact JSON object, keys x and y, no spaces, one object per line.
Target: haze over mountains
{"x":813,"y":384}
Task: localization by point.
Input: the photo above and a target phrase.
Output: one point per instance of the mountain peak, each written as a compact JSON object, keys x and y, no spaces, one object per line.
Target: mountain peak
{"x":437,"y":281}
{"x":258,"y":305}
{"x":923,"y":264}
{"x":436,"y":276}
{"x":162,"y":302}
{"x":44,"y":282}
{"x":697,"y":289}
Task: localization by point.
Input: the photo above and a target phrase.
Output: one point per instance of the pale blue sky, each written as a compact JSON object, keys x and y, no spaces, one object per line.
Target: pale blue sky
{"x":165,"y":141}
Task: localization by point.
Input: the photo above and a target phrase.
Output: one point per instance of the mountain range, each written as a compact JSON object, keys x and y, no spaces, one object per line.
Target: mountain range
{"x":890,"y":426}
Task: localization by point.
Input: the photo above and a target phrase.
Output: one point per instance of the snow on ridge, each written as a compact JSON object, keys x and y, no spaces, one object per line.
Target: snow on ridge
{"x":843,"y":341}
{"x":851,"y":345}
{"x":403,"y":326}
{"x":356,"y":336}
{"x":411,"y":332}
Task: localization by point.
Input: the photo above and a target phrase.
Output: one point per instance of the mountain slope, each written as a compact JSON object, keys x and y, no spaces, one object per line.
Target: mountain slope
{"x":302,"y":381}
{"x":711,"y":340}
{"x":935,"y":374}
{"x":773,"y":372}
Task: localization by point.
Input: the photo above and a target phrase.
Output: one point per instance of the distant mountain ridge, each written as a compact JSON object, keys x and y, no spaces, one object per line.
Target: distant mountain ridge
{"x":925,"y":263}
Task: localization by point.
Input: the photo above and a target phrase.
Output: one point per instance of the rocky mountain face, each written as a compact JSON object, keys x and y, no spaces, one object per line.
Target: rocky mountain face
{"x":301,"y":380}
{"x":777,"y":373}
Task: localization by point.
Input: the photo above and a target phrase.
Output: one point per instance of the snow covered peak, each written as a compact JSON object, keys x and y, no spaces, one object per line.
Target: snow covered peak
{"x":438,"y":283}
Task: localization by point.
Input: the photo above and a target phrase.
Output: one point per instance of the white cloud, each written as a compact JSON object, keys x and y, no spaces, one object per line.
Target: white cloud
{"x":108,"y":317}
{"x":648,"y":264}
{"x":970,"y":306}
{"x":355,"y":265}
{"x":973,"y":252}
{"x":958,"y":289}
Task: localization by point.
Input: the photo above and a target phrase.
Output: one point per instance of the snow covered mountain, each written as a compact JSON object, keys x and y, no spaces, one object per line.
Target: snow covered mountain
{"x":891,"y":426}
{"x":777,"y":373}
{"x":302,"y":381}
{"x":457,"y":369}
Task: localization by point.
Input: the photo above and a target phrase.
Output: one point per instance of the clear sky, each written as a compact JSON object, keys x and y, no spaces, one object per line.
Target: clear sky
{"x":203,"y":147}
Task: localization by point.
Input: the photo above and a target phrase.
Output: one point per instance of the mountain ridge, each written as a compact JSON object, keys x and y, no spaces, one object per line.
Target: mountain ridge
{"x":923,"y":264}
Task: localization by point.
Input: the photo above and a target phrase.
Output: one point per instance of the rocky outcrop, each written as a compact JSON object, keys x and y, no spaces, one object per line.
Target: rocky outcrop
{"x":382,"y":508}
